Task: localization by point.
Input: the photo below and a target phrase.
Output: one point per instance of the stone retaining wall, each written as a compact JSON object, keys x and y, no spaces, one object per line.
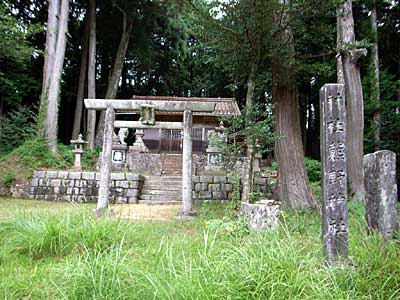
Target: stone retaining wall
{"x":222,"y":187}
{"x":125,"y":187}
{"x":83,"y":186}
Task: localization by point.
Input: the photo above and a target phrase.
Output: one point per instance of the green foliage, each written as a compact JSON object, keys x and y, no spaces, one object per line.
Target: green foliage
{"x":313,"y":168}
{"x":8,"y":179}
{"x":90,"y":158}
{"x":390,"y":118}
{"x":226,"y":226}
{"x":17,"y":126}
{"x":34,"y":153}
{"x":16,"y":80}
{"x":86,"y":258}
{"x":46,"y":236}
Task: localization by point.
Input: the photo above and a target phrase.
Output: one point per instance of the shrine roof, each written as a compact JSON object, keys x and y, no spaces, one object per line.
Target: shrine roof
{"x":223,"y":106}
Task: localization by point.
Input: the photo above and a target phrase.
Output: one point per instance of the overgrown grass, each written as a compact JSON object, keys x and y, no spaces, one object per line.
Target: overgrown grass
{"x":34,"y":154}
{"x":74,"y":256}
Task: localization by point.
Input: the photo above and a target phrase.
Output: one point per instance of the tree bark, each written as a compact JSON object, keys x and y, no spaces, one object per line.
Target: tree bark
{"x":248,"y":180}
{"x":375,"y":61}
{"x":49,"y":55}
{"x":294,"y":186}
{"x":339,"y":62}
{"x":81,"y":85}
{"x":354,"y":101}
{"x":91,"y":118}
{"x":113,"y":81}
{"x":55,"y":79}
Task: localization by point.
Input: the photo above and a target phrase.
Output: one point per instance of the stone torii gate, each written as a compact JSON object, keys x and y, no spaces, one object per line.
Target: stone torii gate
{"x":147,"y":110}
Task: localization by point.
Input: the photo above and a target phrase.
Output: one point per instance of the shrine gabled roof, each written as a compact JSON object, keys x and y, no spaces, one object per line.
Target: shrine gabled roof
{"x":223,"y":106}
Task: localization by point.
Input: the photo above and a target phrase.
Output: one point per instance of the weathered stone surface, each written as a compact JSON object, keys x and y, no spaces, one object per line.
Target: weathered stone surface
{"x":206,"y":179}
{"x":214,"y":187}
{"x":187,"y":200}
{"x":88,"y":175}
{"x":118,"y":176}
{"x":262,"y":215}
{"x":219,"y":179}
{"x":51,"y":174}
{"x":145,"y":163}
{"x":381,"y":192}
{"x":133,"y":177}
{"x":122,"y":184}
{"x":55,"y":182}
{"x":197,"y":187}
{"x":39,"y":174}
{"x":62,"y":174}
{"x":35,"y":182}
{"x":75,"y":175}
{"x":196,"y":179}
{"x":334,"y":174}
{"x":228,"y":187}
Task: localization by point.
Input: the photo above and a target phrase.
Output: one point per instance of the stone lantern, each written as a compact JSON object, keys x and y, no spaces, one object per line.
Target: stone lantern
{"x":78,"y":151}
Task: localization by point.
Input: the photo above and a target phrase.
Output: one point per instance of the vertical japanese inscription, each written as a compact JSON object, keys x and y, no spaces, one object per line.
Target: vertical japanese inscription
{"x":334,"y":173}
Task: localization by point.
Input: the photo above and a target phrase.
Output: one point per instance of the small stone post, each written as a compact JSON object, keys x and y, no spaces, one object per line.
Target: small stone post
{"x":187,"y":164}
{"x":381,"y":192}
{"x":334,"y":173}
{"x":106,"y":162}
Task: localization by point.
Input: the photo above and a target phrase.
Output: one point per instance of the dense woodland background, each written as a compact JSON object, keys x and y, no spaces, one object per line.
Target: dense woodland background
{"x":199,"y":48}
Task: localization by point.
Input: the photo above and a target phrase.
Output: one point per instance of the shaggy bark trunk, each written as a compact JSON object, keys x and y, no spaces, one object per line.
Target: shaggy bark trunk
{"x":294,"y":186}
{"x":54,"y":85}
{"x":115,"y":75}
{"x":339,"y":62}
{"x":375,"y":61}
{"x":354,"y":101}
{"x":81,"y":85}
{"x":248,"y":184}
{"x":91,"y":117}
{"x":50,"y":48}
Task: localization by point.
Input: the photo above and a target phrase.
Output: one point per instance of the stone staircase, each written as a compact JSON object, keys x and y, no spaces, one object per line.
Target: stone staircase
{"x":171,"y":164}
{"x":161,"y":190}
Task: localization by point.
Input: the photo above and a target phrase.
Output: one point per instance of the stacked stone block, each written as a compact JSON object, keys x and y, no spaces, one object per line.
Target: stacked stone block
{"x":222,"y":187}
{"x":83,"y":186}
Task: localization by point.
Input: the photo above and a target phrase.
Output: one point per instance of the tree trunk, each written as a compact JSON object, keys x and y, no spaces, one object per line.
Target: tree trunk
{"x":91,"y":118}
{"x":248,"y":180}
{"x":339,"y":62}
{"x":354,"y":101}
{"x":376,"y":89}
{"x":294,"y":187}
{"x":115,"y":75}
{"x":81,"y":85}
{"x":55,"y":79}
{"x":49,"y":55}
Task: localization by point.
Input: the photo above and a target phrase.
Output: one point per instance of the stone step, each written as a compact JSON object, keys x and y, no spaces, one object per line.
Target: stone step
{"x":158,"y":190}
{"x":159,"y":198}
{"x":161,"y":192}
{"x":152,"y":202}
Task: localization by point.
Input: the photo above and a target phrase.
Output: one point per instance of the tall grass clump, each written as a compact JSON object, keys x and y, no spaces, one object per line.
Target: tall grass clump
{"x":97,"y":274}
{"x":48,"y":235}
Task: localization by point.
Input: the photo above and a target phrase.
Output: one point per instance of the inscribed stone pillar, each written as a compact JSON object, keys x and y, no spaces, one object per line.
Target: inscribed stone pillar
{"x":187,"y":163}
{"x":334,"y":173}
{"x":381,"y":192}
{"x":106,"y":162}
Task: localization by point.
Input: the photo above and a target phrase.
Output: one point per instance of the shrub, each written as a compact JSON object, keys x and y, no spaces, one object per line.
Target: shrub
{"x":313,"y":168}
{"x":16,"y":126}
{"x":8,"y":179}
